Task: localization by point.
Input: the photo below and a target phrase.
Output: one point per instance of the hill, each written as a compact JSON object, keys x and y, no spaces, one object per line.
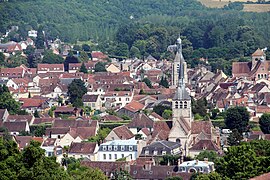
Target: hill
{"x":80,"y":20}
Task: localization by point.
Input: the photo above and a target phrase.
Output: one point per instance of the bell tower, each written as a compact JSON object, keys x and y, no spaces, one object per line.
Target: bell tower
{"x":181,"y":103}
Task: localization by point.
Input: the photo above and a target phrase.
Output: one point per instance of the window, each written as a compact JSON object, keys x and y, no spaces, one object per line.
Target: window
{"x":104,"y":148}
{"x":164,"y":152}
{"x":110,"y":156}
{"x":115,"y":147}
{"x":185,"y":104}
{"x":181,"y":105}
{"x":130,"y":156}
{"x":122,"y":148}
{"x":119,"y":99}
{"x":182,"y":169}
{"x":130,"y":148}
{"x":115,"y":156}
{"x":146,"y":152}
{"x":127,"y":99}
{"x":155,"y":152}
{"x":109,"y":148}
{"x":200,"y":169}
{"x":122,"y":155}
{"x":104,"y":156}
{"x":176,"y":104}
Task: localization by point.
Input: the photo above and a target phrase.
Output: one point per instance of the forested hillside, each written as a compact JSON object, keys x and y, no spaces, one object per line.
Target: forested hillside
{"x":137,"y":28}
{"x":80,"y":20}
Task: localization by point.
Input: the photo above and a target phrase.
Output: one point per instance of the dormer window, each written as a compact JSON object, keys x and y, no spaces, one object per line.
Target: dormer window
{"x":146,"y":152}
{"x":104,"y":148}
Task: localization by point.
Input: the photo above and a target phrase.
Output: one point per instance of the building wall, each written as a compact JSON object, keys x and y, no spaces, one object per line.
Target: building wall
{"x":116,"y":155}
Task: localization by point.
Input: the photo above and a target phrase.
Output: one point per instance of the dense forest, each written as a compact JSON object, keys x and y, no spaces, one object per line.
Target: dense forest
{"x":139,"y":28}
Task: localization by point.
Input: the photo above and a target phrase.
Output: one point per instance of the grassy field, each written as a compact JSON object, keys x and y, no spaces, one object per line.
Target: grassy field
{"x":256,"y":7}
{"x":248,"y":7}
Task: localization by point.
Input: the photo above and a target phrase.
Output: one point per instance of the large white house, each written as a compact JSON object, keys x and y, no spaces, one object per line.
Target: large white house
{"x":116,"y":149}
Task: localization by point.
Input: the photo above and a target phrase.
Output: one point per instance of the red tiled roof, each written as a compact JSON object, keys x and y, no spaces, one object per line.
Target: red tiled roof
{"x":82,"y":148}
{"x":205,"y":145}
{"x":111,"y":118}
{"x":134,"y":106}
{"x":15,"y":126}
{"x":106,"y":167}
{"x":123,"y":132}
{"x":83,"y":132}
{"x":49,"y":142}
{"x":262,"y":109}
{"x":17,"y":118}
{"x":30,"y":102}
{"x":241,"y":67}
{"x":140,"y":120}
{"x":198,"y":126}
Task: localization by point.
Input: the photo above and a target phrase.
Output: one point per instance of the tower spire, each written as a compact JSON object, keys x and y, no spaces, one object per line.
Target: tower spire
{"x":181,"y":92}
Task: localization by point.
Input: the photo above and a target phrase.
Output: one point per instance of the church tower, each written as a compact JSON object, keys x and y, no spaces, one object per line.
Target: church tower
{"x":181,"y":104}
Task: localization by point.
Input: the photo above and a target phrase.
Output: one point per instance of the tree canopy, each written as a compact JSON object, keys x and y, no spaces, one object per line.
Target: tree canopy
{"x":264,"y":122}
{"x":237,"y":118}
{"x":76,"y":90}
{"x":245,"y":161}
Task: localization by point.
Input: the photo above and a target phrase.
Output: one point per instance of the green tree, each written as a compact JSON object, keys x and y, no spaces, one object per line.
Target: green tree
{"x":159,"y":109}
{"x":2,"y":59}
{"x":16,"y":60}
{"x":214,"y":113}
{"x":101,"y":135}
{"x":40,"y":39}
{"x":83,"y":56}
{"x":122,"y":175}
{"x":167,"y":114}
{"x":210,"y":176}
{"x":264,"y":122}
{"x":234,"y":138}
{"x":29,"y":50}
{"x":81,"y":172}
{"x":174,"y":178}
{"x":51,"y":58}
{"x":83,"y":69}
{"x":36,"y":114}
{"x":243,"y":161}
{"x":7,"y":102}
{"x":237,"y":118}
{"x":100,"y":67}
{"x":86,"y":48}
{"x":135,"y":52}
{"x":199,"y":107}
{"x":122,"y":50}
{"x":76,"y":90}
{"x":210,"y":155}
{"x":147,"y":82}
{"x":163,"y":82}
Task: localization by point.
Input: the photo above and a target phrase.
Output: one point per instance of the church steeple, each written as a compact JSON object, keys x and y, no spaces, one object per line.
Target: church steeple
{"x":181,"y":92}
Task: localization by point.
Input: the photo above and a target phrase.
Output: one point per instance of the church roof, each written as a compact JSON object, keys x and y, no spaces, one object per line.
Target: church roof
{"x":258,"y":52}
{"x":241,"y":67}
{"x":198,"y":126}
{"x":181,"y":94}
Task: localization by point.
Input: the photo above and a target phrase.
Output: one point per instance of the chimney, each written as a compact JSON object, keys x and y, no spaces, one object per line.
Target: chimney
{"x":197,"y":161}
{"x":206,"y":160}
